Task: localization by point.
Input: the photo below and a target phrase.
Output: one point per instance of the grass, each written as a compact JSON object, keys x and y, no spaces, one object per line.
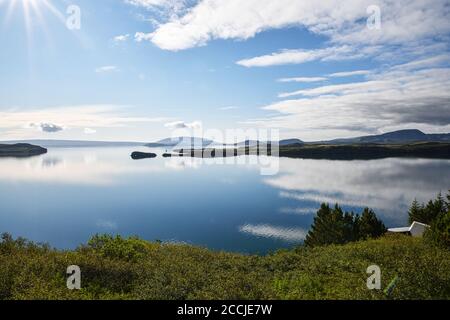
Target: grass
{"x":117,"y":268}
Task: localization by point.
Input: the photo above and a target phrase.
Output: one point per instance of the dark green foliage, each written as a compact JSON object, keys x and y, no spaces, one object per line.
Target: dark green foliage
{"x":369,"y":226}
{"x":435,"y":213}
{"x":333,"y":226}
{"x":130,"y":249}
{"x":439,"y":233}
{"x":429,"y":212}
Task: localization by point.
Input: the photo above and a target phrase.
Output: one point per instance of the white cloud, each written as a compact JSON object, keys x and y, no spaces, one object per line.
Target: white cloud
{"x":387,"y":100}
{"x":150,"y":4}
{"x":121,"y":38}
{"x":342,"y":22}
{"x":183,"y":125}
{"x":284,"y":57}
{"x":349,"y":73}
{"x":84,"y":116}
{"x":106,"y":69}
{"x":89,"y":131}
{"x":46,"y":127}
{"x":141,"y":36}
{"x":302,"y":79}
{"x":228,"y":108}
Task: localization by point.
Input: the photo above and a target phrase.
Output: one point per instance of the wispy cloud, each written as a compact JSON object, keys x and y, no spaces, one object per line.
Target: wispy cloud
{"x":284,"y":57}
{"x":151,"y":4}
{"x":106,"y":69}
{"x":84,"y":116}
{"x":89,"y":131}
{"x":121,"y":38}
{"x":350,"y":73}
{"x":390,"y":99}
{"x":302,"y":79}
{"x":228,"y":108}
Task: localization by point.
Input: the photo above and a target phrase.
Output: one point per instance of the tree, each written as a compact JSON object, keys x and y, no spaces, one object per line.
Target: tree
{"x":333,"y":226}
{"x":429,"y":212}
{"x":369,"y":226}
{"x":415,"y":212}
{"x":439,"y":233}
{"x":325,"y":228}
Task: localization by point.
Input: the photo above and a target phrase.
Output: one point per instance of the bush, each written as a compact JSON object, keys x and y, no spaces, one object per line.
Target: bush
{"x":173,"y":271}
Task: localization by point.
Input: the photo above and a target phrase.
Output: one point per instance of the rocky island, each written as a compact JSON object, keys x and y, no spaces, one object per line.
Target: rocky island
{"x":20,"y":150}
{"x":142,"y":155}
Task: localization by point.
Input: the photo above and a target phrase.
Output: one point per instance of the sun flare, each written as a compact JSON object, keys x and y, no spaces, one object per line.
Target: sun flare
{"x":32,"y":11}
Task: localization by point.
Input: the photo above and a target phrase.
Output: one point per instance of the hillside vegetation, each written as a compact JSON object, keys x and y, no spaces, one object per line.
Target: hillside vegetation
{"x":117,"y":268}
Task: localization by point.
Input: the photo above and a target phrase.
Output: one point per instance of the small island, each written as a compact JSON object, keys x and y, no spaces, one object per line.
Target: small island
{"x":19,"y":150}
{"x":142,"y":155}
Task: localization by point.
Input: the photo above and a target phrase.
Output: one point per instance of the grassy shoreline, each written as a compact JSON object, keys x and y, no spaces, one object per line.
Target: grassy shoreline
{"x":118,"y":268}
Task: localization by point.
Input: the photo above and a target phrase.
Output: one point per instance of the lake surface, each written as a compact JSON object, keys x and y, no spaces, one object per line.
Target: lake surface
{"x":67,"y":195}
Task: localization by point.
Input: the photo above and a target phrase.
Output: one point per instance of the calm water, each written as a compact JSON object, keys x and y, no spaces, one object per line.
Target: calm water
{"x":68,"y":195}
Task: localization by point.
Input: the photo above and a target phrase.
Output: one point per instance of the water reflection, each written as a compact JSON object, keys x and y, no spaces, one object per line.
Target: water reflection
{"x":75,"y":166}
{"x":389,"y":185}
{"x":69,"y":194}
{"x":275,"y":232}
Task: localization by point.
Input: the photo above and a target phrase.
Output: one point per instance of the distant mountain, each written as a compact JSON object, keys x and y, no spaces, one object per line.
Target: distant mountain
{"x":181,"y":142}
{"x":400,"y":136}
{"x":75,"y":143}
{"x":287,"y":142}
{"x":189,"y":142}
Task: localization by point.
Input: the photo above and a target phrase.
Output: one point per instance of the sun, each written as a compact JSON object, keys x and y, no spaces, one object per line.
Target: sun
{"x":32,"y":10}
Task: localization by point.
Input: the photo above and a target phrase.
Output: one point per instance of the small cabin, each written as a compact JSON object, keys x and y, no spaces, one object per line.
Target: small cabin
{"x":416,"y":229}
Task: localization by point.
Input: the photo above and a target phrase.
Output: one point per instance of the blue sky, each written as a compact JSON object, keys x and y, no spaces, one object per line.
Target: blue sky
{"x":138,"y":69}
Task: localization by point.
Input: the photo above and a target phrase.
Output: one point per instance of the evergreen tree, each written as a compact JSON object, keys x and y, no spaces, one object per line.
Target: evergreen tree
{"x":447,"y":202}
{"x":333,"y":226}
{"x":369,"y":226}
{"x":429,"y":212}
{"x":439,"y":233}
{"x":328,"y":227}
{"x":415,"y":212}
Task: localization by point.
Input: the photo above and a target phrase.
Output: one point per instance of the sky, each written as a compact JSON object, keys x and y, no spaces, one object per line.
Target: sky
{"x":142,"y":70}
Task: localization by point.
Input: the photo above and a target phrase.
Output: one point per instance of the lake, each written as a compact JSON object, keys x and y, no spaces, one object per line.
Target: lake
{"x":67,"y":195}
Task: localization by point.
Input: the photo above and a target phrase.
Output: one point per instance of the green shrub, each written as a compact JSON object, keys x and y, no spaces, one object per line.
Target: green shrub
{"x":135,"y":269}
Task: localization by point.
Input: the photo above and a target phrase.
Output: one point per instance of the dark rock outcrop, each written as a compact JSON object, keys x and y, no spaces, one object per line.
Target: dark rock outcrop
{"x":142,"y":155}
{"x":20,"y":150}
